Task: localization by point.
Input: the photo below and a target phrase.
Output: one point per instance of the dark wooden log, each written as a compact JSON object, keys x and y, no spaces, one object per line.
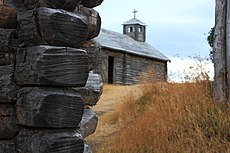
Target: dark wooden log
{"x":8,"y":88}
{"x":53,"y":27}
{"x":87,"y":148}
{"x":51,"y":66}
{"x":17,"y":5}
{"x":92,"y":48}
{"x":91,"y":3}
{"x":92,"y":91}
{"x":7,"y":147}
{"x":69,"y":5}
{"x":8,"y":128}
{"x":8,"y":16}
{"x":49,"y":141}
{"x":88,"y":123}
{"x":94,"y":20}
{"x":7,"y":50}
{"x":49,"y":107}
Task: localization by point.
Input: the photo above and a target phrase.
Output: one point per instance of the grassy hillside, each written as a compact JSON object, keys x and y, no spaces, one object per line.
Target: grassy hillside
{"x":170,"y":117}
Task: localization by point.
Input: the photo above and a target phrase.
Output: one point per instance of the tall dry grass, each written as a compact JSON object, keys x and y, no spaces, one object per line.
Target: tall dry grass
{"x":171,"y":117}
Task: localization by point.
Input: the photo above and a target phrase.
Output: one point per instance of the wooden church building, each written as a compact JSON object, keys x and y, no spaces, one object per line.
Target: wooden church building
{"x":124,"y":58}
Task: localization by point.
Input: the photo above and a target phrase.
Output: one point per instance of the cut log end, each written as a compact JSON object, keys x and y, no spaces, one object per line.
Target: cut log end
{"x":49,"y":107}
{"x":44,"y":141}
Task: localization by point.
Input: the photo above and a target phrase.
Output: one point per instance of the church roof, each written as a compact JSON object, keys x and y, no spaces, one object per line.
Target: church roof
{"x":134,"y":21}
{"x":120,"y":42}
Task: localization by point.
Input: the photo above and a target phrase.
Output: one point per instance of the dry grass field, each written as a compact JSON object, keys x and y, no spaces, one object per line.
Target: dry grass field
{"x":111,"y":99}
{"x":161,"y":118}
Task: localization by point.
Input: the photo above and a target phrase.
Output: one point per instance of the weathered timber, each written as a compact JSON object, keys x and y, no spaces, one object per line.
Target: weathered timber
{"x":7,"y":146}
{"x":92,"y":91}
{"x":49,"y":107}
{"x":88,"y":123}
{"x":52,"y":26}
{"x":8,"y":88}
{"x":17,"y":5}
{"x":8,"y":126}
{"x":87,"y":148}
{"x":69,"y":5}
{"x":7,"y":51}
{"x":51,"y":66}
{"x":92,"y":48}
{"x":91,"y":3}
{"x":219,"y":53}
{"x":94,"y":20}
{"x":49,"y":141}
{"x":8,"y":16}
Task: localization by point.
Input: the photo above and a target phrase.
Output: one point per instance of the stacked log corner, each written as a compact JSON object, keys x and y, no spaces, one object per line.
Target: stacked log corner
{"x":46,"y":82}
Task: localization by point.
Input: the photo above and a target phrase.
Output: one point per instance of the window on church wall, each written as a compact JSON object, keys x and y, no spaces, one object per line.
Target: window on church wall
{"x":140,"y":29}
{"x":131,"y":29}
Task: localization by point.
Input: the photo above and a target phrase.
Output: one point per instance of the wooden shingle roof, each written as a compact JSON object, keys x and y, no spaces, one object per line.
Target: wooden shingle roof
{"x":123,"y":43}
{"x":134,"y":21}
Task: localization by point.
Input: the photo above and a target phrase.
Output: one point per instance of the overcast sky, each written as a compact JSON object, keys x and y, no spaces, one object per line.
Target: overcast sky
{"x":175,"y":27}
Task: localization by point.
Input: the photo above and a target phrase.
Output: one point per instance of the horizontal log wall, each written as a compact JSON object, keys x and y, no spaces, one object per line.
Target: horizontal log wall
{"x":128,"y":68}
{"x":47,"y":141}
{"x":141,"y":68}
{"x":51,"y":66}
{"x":49,"y":107}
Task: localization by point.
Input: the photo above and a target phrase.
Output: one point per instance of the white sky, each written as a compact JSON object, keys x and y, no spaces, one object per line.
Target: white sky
{"x":175,"y":28}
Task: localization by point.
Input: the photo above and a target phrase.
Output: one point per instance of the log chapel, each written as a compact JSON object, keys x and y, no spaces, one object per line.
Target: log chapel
{"x":124,"y":58}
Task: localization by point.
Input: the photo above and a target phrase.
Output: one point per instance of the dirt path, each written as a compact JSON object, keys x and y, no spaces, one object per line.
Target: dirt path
{"x":111,"y":97}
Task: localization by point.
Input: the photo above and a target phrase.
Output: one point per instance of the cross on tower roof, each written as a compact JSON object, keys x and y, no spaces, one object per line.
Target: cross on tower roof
{"x":134,"y":12}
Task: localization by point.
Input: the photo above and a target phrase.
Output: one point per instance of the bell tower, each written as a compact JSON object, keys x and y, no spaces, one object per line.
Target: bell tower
{"x":135,"y":28}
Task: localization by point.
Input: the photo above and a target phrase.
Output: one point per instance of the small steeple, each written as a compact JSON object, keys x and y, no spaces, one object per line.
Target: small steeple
{"x":134,"y":13}
{"x":135,"y":28}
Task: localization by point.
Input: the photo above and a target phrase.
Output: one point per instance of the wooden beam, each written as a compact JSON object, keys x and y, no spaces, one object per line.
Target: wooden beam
{"x":51,"y":66}
{"x":53,"y":27}
{"x":7,"y":146}
{"x":94,"y":21}
{"x":47,"y":141}
{"x":88,"y":123}
{"x":49,"y":107}
{"x":8,"y":89}
{"x":91,"y":3}
{"x":8,"y":127}
{"x":219,"y":56}
{"x":228,"y":48}
{"x":92,"y":48}
{"x":68,"y":5}
{"x":92,"y":91}
{"x":8,"y":17}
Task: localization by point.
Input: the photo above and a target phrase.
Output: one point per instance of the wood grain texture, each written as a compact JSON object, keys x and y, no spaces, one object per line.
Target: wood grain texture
{"x":7,"y":50}
{"x":92,"y":91}
{"x":91,"y":3}
{"x":8,"y":88}
{"x":88,"y":123}
{"x":92,"y":48}
{"x":49,"y":141}
{"x":49,"y":107}
{"x":219,"y":53}
{"x":17,"y":5}
{"x":52,"y":26}
{"x":51,"y":66}
{"x":69,"y":5}
{"x":8,"y":121}
{"x":228,"y":49}
{"x":8,"y":16}
{"x":7,"y":146}
{"x":94,"y":21}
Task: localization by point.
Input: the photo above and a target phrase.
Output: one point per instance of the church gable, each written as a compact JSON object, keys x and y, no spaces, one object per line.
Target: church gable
{"x":124,"y":58}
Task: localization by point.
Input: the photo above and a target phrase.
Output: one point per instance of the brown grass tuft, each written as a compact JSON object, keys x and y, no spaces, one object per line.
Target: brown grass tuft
{"x":171,"y":117}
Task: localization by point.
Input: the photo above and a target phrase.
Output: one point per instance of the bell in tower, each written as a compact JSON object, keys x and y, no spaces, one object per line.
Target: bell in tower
{"x":135,"y":28}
